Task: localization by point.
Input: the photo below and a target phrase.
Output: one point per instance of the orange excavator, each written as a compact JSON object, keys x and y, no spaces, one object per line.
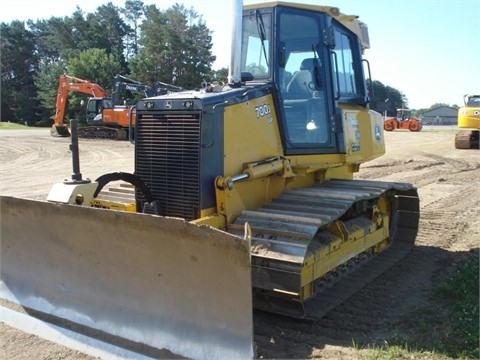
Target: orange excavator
{"x":402,"y":121}
{"x":70,"y":83}
{"x":105,"y":117}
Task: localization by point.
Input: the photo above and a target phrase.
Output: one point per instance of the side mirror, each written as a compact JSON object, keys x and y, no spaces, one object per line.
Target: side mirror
{"x":246,"y":76}
{"x":329,"y":37}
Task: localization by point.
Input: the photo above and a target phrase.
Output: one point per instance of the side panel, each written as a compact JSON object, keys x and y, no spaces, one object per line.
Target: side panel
{"x":152,"y":280}
{"x":118,"y":116}
{"x":364,"y":138}
{"x":469,"y":118}
{"x":251,"y":133}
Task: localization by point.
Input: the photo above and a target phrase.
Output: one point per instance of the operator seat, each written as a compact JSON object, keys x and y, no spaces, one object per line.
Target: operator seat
{"x":301,"y":86}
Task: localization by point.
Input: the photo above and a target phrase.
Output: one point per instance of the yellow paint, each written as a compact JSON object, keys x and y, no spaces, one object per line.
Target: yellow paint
{"x":338,"y":252}
{"x":113,"y":205}
{"x":469,"y":117}
{"x":250,"y":134}
{"x":363,"y":135}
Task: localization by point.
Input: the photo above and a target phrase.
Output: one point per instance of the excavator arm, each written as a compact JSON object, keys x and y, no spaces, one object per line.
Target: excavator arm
{"x":68,"y":83}
{"x":123,"y":83}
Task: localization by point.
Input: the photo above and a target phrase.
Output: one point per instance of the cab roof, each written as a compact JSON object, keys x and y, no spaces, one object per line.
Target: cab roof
{"x":350,"y":21}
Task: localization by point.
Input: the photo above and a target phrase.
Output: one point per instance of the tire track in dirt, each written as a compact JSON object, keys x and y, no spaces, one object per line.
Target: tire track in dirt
{"x":33,"y":161}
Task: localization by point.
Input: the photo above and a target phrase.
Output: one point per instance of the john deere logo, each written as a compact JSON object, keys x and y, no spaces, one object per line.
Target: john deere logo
{"x":378,"y":133}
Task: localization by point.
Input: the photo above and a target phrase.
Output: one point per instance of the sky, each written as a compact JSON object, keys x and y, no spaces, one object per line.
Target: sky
{"x":429,"y":50}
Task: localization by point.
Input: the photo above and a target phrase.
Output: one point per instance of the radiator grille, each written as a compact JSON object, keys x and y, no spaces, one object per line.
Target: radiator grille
{"x":167,"y":159}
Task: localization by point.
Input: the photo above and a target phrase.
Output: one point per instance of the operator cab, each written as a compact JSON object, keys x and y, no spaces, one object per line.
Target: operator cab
{"x":472,"y":100}
{"x":314,"y":63}
{"x":95,"y":106}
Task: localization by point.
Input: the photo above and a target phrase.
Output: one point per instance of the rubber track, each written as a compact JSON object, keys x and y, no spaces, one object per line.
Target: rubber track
{"x":467,"y":139}
{"x":102,"y":132}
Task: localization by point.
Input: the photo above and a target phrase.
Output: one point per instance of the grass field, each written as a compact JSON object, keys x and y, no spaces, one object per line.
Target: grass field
{"x":7,"y":125}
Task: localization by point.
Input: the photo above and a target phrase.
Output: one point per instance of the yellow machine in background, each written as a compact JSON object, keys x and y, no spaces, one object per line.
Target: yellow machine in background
{"x":469,"y":118}
{"x":243,"y":189}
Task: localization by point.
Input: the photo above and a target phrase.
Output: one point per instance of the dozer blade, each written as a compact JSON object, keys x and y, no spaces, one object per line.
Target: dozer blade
{"x":152,"y":284}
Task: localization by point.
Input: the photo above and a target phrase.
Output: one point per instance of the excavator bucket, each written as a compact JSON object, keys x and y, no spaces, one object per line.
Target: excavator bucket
{"x":59,"y":130}
{"x":158,"y":286}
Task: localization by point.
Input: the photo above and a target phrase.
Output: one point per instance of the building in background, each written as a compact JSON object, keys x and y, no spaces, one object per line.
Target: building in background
{"x":443,"y":115}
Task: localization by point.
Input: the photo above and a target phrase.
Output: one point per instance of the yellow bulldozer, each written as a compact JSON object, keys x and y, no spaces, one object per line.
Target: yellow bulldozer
{"x":469,"y":118}
{"x":244,"y":197}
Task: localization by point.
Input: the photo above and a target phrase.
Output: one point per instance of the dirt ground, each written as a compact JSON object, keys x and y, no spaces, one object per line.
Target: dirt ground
{"x":448,"y":181}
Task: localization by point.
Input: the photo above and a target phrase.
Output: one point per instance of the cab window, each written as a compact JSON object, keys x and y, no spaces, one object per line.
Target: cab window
{"x":302,"y":87}
{"x":256,"y":44}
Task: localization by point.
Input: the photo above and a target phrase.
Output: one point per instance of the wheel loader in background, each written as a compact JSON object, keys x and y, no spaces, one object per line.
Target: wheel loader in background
{"x":244,"y":197}
{"x":402,"y":121}
{"x":469,"y":118}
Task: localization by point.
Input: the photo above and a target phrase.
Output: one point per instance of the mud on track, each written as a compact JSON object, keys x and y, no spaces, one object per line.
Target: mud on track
{"x":448,"y":181}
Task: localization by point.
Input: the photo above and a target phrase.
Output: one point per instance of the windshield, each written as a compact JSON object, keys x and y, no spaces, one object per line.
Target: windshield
{"x":473,"y":101}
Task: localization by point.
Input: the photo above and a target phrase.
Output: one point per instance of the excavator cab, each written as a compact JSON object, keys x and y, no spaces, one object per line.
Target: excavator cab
{"x":105,"y":120}
{"x":95,"y":107}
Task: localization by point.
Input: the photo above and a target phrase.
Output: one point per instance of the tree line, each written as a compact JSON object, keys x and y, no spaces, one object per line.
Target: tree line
{"x":140,"y":41}
{"x":387,"y":100}
{"x":172,"y":46}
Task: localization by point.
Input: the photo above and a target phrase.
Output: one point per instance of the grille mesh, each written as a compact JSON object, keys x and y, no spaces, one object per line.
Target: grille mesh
{"x":168,"y":160}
